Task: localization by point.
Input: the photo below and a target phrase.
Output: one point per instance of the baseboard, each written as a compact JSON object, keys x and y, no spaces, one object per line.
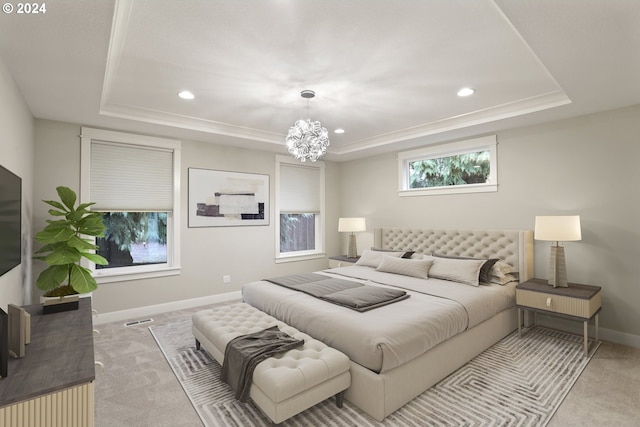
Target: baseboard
{"x":151,"y":310}
{"x":605,"y":334}
{"x":618,"y":337}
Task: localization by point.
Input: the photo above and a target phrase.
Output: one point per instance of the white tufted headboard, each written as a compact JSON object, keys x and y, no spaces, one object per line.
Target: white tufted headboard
{"x":512,"y":246}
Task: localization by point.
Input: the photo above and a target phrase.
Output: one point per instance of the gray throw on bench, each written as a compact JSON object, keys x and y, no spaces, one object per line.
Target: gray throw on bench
{"x":353,"y":295}
{"x":242,"y":354}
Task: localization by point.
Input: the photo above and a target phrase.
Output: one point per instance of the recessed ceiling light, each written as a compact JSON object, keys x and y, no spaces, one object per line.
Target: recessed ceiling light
{"x":339,"y":130}
{"x":185,"y":94}
{"x":466,"y":91}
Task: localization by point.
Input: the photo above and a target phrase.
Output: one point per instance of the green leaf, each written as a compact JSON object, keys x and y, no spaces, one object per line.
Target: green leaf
{"x":57,"y":224}
{"x":67,"y":195}
{"x":90,"y":220}
{"x":55,"y":212}
{"x":45,"y":248}
{"x":54,"y":236}
{"x":84,"y":206}
{"x":81,"y":244}
{"x":75,"y":216}
{"x":95,"y":258}
{"x":55,"y":204}
{"x":62,"y":256}
{"x":81,"y":280}
{"x":92,"y":226}
{"x":52,"y":277}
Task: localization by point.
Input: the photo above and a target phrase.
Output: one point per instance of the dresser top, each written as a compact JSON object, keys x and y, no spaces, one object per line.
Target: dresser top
{"x":60,"y":355}
{"x":574,"y":290}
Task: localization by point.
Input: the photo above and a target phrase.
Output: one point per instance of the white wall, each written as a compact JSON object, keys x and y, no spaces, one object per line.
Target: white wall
{"x":586,"y":166}
{"x":16,"y":154}
{"x":245,"y":253}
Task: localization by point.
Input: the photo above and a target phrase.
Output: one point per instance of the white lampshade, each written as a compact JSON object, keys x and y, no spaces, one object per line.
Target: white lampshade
{"x":558,"y":228}
{"x":351,"y":225}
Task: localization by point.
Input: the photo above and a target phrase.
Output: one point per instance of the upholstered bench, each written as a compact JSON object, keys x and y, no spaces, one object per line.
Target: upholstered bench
{"x":283,"y":385}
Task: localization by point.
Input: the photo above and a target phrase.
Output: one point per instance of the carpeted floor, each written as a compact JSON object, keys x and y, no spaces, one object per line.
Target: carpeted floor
{"x":517,"y":382}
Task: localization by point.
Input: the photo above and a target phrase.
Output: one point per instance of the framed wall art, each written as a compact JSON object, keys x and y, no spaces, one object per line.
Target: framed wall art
{"x":222,"y":198}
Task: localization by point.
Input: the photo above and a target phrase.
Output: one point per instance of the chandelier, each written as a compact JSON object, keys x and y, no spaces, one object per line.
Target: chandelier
{"x":307,"y":140}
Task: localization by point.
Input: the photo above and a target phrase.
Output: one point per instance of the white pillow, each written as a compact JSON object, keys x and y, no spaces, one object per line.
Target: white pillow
{"x":508,"y":278}
{"x":407,"y":267}
{"x":371,"y":258}
{"x":465,"y":271}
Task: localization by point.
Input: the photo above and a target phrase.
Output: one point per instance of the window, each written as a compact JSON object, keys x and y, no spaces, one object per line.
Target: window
{"x":461,"y":167}
{"x":133,"y":180}
{"x":299,"y":209}
{"x":133,"y":238}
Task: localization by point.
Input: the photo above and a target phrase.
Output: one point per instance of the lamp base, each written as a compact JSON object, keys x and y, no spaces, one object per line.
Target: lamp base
{"x":353,"y":251}
{"x":557,"y":268}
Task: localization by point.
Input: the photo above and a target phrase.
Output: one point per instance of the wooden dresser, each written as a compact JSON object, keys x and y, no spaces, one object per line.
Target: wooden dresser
{"x":52,"y":385}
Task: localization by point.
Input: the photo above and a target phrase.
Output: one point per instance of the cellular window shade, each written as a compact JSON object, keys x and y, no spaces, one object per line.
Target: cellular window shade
{"x":299,"y":189}
{"x":131,"y":178}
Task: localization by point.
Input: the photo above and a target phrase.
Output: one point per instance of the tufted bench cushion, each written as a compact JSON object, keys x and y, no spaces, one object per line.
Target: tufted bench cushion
{"x":283,"y":385}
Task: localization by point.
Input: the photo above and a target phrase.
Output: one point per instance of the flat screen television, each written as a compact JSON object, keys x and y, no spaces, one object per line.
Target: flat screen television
{"x":10,"y":220}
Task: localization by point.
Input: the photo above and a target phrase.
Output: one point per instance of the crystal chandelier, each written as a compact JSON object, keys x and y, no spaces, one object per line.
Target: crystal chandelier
{"x":307,"y":140}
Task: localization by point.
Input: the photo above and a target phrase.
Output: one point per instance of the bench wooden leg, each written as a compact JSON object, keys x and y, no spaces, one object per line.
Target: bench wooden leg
{"x":340,"y":399}
{"x":197,"y":345}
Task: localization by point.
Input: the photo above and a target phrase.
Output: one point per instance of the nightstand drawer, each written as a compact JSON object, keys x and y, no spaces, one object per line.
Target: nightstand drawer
{"x":578,"y":307}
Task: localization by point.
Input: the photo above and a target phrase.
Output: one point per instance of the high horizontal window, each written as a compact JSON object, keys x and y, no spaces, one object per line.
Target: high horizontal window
{"x":133,"y":180}
{"x":460,"y":167}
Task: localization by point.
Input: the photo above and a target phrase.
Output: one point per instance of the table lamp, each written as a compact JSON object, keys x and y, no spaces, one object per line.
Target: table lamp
{"x":557,"y":229}
{"x":351,"y":225}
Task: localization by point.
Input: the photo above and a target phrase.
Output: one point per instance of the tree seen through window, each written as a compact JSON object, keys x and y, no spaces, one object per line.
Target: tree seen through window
{"x":134,"y":238}
{"x":461,"y":169}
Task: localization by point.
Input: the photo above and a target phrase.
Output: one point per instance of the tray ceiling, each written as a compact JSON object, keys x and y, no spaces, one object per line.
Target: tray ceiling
{"x":385,"y":72}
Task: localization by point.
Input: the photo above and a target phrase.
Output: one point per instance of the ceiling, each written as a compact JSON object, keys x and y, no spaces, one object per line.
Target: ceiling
{"x":387,"y":72}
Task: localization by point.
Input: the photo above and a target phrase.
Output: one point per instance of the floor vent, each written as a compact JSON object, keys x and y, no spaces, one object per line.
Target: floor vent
{"x":138,"y":322}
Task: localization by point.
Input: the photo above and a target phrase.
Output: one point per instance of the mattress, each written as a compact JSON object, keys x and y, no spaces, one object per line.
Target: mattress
{"x":389,"y":336}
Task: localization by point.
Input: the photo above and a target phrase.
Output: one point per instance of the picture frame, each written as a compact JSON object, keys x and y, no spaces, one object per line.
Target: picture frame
{"x":219,"y":198}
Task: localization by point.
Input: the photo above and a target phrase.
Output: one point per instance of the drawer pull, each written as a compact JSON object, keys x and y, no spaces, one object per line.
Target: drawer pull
{"x":549,"y":302}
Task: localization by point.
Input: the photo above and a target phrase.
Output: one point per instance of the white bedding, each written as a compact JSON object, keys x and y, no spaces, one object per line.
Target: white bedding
{"x":386,"y":337}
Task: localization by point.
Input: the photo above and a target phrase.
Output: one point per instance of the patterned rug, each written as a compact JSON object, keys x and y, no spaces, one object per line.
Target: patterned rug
{"x":516,"y":382}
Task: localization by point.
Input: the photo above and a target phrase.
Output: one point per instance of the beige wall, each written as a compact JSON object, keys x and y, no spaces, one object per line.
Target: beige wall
{"x":16,"y":154}
{"x":586,"y":166}
{"x":244,"y":253}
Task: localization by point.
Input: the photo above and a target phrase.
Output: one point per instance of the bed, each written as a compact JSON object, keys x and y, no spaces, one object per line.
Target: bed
{"x":400,"y":350}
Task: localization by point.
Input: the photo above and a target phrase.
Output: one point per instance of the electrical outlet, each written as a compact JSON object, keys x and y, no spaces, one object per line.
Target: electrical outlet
{"x":226,"y":279}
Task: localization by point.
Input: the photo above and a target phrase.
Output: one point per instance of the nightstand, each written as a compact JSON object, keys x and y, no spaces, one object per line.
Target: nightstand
{"x":578,"y":302}
{"x":341,"y":261}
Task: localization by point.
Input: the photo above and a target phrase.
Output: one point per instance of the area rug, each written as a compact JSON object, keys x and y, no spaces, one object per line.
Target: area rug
{"x":516,"y":382}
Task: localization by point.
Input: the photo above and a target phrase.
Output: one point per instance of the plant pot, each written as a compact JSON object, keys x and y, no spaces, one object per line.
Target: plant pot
{"x":59,"y":304}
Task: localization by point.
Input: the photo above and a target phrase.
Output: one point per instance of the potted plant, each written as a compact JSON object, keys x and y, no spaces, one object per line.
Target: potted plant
{"x":64,"y":247}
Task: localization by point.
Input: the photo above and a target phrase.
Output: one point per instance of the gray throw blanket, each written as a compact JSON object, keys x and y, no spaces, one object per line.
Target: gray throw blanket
{"x":244,"y":353}
{"x":353,"y":295}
